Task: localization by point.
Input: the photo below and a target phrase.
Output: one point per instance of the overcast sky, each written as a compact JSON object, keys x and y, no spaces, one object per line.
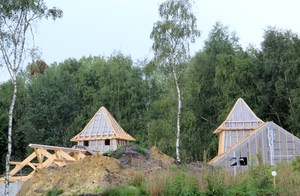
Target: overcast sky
{"x":102,"y":27}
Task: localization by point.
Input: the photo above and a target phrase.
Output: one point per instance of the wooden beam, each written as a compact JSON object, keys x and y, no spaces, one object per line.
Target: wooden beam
{"x":15,"y":163}
{"x":39,"y":156}
{"x":65,"y":155}
{"x":63,"y":160}
{"x":23,"y":164}
{"x":46,"y":147}
{"x":60,"y":157}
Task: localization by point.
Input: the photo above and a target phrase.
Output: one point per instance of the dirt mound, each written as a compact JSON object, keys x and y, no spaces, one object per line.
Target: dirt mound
{"x":97,"y":172}
{"x":135,"y":157}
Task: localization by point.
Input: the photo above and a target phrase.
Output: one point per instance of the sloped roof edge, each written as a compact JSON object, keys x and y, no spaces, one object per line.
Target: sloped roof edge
{"x":118,"y":131}
{"x":260,"y":128}
{"x":215,"y":159}
{"x":234,"y":108}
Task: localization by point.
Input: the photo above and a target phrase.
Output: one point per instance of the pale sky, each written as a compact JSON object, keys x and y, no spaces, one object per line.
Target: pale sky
{"x":102,"y":27}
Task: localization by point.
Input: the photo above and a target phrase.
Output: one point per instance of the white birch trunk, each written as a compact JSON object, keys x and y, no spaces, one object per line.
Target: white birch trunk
{"x":178,"y":117}
{"x":9,"y":138}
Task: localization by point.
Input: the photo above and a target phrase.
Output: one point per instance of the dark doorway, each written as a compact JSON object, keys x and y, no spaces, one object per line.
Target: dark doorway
{"x":86,"y":143}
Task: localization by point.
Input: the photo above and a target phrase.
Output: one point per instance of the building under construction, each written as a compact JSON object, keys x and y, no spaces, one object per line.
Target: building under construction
{"x":245,"y":140}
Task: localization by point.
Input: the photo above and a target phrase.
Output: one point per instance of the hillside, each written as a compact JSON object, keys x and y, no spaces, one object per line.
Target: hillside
{"x":95,"y":173}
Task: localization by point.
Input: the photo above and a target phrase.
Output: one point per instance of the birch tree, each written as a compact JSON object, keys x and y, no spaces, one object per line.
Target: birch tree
{"x":172,"y":36}
{"x":16,"y":20}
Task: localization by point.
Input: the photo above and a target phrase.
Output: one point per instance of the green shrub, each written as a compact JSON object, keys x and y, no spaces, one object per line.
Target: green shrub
{"x":296,"y":164}
{"x":142,"y":150}
{"x":215,"y":184}
{"x":261,"y":178}
{"x":257,"y":180}
{"x":109,"y":153}
{"x":181,"y":183}
{"x":137,"y":181}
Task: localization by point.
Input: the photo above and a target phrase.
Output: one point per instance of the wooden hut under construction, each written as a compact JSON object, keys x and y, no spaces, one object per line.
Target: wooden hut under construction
{"x":244,"y":140}
{"x":102,"y":133}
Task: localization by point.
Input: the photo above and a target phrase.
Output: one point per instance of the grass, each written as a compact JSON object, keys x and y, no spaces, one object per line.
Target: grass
{"x":256,"y":181}
{"x":71,"y":183}
{"x":179,"y":180}
{"x":122,"y":190}
{"x":54,"y":192}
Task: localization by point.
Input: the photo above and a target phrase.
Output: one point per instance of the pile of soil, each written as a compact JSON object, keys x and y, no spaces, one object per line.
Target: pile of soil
{"x":98,"y":172}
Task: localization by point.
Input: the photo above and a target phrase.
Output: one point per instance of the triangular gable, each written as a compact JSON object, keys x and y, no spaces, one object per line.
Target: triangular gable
{"x":102,"y":126}
{"x":281,"y":135}
{"x":240,"y":117}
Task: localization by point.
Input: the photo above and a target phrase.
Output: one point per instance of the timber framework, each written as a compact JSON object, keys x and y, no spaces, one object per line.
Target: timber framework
{"x":42,"y":157}
{"x":102,"y":134}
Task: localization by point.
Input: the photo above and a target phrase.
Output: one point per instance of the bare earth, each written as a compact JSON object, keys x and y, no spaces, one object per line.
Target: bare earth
{"x":97,"y":172}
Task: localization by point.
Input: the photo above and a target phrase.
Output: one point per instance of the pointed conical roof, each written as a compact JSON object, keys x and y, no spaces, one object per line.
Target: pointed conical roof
{"x":102,"y":126}
{"x":240,"y":117}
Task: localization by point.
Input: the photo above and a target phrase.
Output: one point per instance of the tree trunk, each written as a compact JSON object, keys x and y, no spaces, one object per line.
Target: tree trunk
{"x":9,"y":138}
{"x":178,"y":116}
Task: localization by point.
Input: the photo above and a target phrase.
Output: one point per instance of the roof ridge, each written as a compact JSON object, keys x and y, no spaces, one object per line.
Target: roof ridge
{"x":107,"y":127}
{"x":240,"y":116}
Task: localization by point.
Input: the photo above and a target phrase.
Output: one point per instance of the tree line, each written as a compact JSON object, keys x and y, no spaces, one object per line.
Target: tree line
{"x":56,"y":101}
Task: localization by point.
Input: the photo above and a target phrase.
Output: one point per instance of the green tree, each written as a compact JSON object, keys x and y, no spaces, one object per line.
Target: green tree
{"x":172,"y":36}
{"x":279,"y":58}
{"x":117,"y":84}
{"x":16,"y":19}
{"x":51,"y":107}
{"x":210,"y":91}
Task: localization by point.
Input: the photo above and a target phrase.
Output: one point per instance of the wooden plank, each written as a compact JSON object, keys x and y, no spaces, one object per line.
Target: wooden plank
{"x":39,"y":156}
{"x":60,"y":157}
{"x":65,"y":155}
{"x":286,"y":146}
{"x":221,"y":142}
{"x":32,"y":166}
{"x":50,"y":157}
{"x":23,"y":164}
{"x":279,"y":143}
{"x":15,"y":163}
{"x":79,"y":155}
{"x":46,"y":147}
{"x":63,"y":160}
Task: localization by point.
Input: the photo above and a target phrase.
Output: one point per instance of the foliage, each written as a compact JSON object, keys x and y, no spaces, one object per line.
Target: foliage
{"x":122,"y":190}
{"x":142,"y":150}
{"x":296,"y":164}
{"x":71,"y":182}
{"x":54,"y":192}
{"x":53,"y":107}
{"x":137,"y":181}
{"x":180,"y":183}
{"x":172,"y":36}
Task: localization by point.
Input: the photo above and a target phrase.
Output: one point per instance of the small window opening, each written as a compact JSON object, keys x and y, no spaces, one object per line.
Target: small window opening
{"x":107,"y":142}
{"x":233,"y":161}
{"x":86,"y":143}
{"x":243,"y":161}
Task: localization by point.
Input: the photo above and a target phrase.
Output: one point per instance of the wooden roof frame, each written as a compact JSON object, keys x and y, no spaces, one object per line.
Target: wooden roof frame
{"x":117,"y":131}
{"x":44,"y":156}
{"x":254,"y":123}
{"x":260,"y":128}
